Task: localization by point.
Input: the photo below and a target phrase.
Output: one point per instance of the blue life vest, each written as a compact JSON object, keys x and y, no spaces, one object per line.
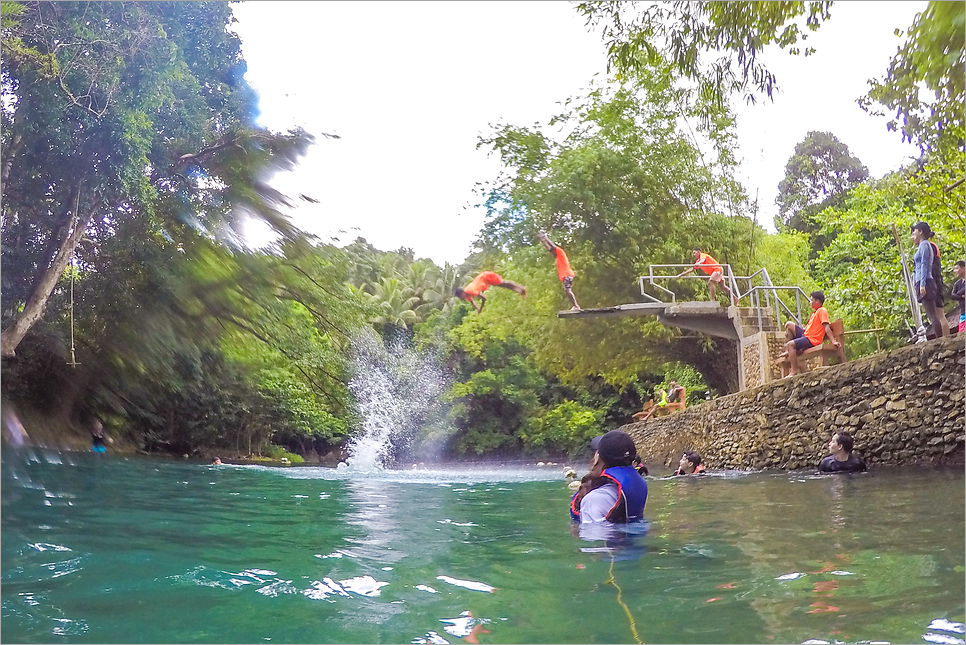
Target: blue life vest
{"x":631,"y":487}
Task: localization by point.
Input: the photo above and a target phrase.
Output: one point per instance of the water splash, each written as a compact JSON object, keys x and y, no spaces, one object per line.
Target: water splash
{"x":396,"y":389}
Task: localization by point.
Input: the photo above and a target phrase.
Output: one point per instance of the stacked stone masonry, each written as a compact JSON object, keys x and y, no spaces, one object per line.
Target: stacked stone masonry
{"x":902,"y":407}
{"x":758,"y":352}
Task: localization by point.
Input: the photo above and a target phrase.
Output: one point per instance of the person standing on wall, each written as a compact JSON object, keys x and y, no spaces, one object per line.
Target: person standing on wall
{"x":927,"y":278}
{"x":959,"y":292}
{"x":564,"y":271}
{"x":706,"y":263}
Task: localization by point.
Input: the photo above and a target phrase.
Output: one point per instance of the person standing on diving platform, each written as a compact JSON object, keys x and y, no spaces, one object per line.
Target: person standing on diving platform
{"x":564,"y":270}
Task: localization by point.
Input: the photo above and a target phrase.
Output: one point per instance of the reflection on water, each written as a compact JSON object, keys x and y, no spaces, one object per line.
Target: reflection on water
{"x":98,"y":548}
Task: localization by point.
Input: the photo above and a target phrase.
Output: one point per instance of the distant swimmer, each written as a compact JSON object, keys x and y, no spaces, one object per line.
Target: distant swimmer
{"x":706,"y":263}
{"x":613,"y":490}
{"x":690,"y":464}
{"x":481,"y":283}
{"x":841,"y":459}
{"x":564,"y":271}
{"x":97,"y":437}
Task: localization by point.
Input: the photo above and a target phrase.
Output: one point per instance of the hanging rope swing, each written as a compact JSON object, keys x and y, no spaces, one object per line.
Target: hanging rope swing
{"x":73,"y":272}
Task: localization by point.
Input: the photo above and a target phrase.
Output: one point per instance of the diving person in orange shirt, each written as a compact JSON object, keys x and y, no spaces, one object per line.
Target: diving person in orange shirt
{"x":481,"y":283}
{"x":564,"y":271}
{"x":716,"y":273}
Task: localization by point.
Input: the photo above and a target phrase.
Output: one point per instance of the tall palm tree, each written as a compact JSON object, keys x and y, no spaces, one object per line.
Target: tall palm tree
{"x":440,"y":294}
{"x":394,"y":301}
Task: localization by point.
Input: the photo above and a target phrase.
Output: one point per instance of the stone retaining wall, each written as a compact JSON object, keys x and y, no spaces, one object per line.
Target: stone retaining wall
{"x":905,"y":406}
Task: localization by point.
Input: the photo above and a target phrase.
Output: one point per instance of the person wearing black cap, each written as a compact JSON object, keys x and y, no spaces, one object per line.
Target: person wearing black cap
{"x":927,"y":278}
{"x":617,"y":493}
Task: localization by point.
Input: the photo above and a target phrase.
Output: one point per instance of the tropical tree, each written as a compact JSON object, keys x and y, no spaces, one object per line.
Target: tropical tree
{"x":112,"y":109}
{"x":717,"y":46}
{"x":923,"y":89}
{"x":685,"y":34}
{"x":822,"y":168}
{"x":393,"y":303}
{"x":626,"y":188}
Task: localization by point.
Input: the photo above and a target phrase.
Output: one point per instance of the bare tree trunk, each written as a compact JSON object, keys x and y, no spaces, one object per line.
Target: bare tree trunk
{"x":33,"y":310}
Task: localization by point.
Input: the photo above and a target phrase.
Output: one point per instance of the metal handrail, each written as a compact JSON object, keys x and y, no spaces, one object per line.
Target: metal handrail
{"x":729,"y":276}
{"x":753,"y":293}
{"x":780,"y":305}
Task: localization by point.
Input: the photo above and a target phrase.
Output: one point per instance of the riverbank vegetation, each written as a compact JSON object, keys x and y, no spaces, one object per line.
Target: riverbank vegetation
{"x":131,"y":161}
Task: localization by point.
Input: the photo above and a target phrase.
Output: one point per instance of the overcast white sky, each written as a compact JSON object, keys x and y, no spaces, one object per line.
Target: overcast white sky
{"x":409,"y":86}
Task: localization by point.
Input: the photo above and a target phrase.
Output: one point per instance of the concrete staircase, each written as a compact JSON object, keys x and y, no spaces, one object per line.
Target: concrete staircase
{"x":747,"y":321}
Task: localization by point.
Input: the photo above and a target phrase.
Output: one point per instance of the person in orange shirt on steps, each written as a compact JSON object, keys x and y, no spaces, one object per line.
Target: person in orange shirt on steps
{"x":716,"y":273}
{"x":481,"y":283}
{"x":814,"y":334}
{"x":564,"y":271}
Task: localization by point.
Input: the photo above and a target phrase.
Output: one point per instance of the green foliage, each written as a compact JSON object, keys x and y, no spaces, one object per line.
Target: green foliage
{"x":278,"y":452}
{"x":685,"y":35}
{"x":141,"y":111}
{"x":624,"y":189}
{"x":785,"y":256}
{"x":860,"y":270}
{"x":566,"y":427}
{"x":820,"y":172}
{"x":931,"y":59}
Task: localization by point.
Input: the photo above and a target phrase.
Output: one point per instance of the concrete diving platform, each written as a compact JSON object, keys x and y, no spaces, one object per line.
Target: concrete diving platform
{"x":757,"y":330}
{"x":631,"y":309}
{"x":702,"y":316}
{"x":754,"y":330}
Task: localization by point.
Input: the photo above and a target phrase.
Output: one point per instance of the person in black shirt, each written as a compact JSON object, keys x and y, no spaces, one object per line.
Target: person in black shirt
{"x":841,"y":459}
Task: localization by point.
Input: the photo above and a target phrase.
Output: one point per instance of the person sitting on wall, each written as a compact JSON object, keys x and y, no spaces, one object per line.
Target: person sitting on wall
{"x":841,"y":459}
{"x":816,"y":330}
{"x":690,"y":464}
{"x":613,"y":490}
{"x":667,"y":402}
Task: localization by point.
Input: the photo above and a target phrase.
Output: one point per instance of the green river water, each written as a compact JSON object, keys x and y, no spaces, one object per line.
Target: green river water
{"x":106,"y":549}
